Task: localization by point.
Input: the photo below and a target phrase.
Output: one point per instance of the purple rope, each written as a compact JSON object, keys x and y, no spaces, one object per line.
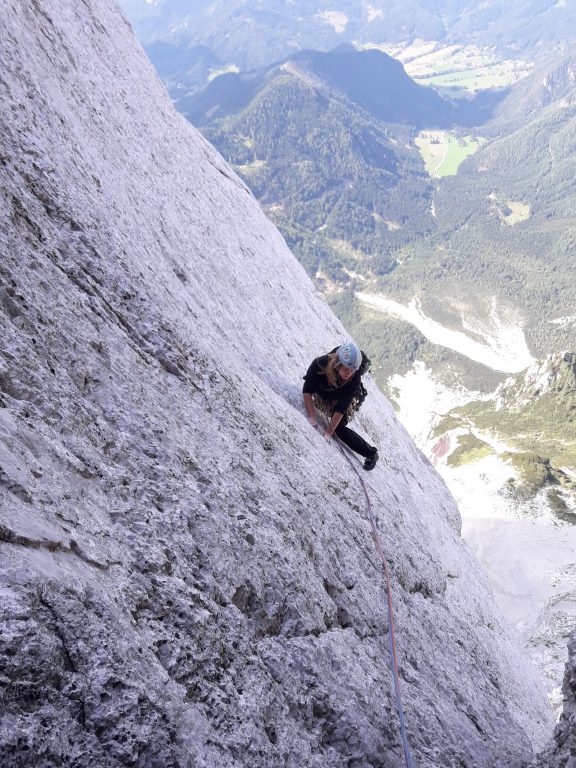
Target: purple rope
{"x":393,"y":657}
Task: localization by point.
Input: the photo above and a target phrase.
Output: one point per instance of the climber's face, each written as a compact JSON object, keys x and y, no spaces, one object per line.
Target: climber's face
{"x":345,"y":373}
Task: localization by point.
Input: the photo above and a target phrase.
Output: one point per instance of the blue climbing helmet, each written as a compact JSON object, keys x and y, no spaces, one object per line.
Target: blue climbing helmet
{"x":349,"y":355}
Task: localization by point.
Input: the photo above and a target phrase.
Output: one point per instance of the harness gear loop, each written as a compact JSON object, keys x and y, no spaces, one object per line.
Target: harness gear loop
{"x":326,"y":407}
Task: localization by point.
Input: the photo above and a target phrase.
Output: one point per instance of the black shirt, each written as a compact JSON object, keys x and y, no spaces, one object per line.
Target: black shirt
{"x":316,"y":382}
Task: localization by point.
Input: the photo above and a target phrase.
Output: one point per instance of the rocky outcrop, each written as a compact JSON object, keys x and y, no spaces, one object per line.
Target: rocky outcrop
{"x":558,"y":82}
{"x":186,"y":571}
{"x":534,"y":413}
{"x":556,"y":375}
{"x":560,"y":753}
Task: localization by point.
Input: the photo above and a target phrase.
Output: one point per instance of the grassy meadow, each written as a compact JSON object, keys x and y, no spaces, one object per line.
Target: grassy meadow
{"x":456,"y":69}
{"x":443,"y":151}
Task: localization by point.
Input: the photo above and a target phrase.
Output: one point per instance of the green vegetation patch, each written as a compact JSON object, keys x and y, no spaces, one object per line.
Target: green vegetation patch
{"x":465,"y":80}
{"x":343,"y":248}
{"x":509,"y":211}
{"x":559,"y":507}
{"x":537,"y":471}
{"x":446,"y":424}
{"x":470,"y":449}
{"x":533,"y":422}
{"x":444,"y":151}
{"x":516,"y":212}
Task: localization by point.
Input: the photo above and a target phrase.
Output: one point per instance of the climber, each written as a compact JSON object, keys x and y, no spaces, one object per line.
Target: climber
{"x":333,"y":384}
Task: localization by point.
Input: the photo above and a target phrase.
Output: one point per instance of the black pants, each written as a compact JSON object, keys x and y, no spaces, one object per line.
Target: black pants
{"x":353,"y":440}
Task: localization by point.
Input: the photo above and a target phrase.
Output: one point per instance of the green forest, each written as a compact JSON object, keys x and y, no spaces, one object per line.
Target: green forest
{"x":352,"y":196}
{"x":327,"y":174}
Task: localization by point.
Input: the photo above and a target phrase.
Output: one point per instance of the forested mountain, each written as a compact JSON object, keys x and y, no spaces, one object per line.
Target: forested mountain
{"x":327,"y":143}
{"x":257,"y":33}
{"x":479,"y":249}
{"x":325,"y":140}
{"x":552,"y":81}
{"x":370,"y":79}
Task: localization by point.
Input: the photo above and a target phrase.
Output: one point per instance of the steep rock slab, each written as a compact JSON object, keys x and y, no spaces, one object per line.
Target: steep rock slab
{"x":560,"y":752}
{"x":186,"y":569}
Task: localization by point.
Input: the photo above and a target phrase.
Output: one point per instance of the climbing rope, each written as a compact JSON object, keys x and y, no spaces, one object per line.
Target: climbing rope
{"x":393,"y":657}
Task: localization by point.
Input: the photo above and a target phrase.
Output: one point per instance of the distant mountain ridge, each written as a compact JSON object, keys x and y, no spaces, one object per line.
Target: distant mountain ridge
{"x":325,"y":141}
{"x":379,"y":84}
{"x":552,"y":82}
{"x":371,"y":80}
{"x":257,"y":33}
{"x":503,"y":226}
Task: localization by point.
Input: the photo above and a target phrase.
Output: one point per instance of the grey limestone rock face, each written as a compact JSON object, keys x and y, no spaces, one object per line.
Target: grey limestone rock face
{"x":561,"y":752}
{"x":186,"y":569}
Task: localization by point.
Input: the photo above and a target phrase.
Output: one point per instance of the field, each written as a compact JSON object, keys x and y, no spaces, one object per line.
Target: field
{"x":518,"y":212}
{"x":509,"y":211}
{"x":455,"y":69}
{"x":443,"y":151}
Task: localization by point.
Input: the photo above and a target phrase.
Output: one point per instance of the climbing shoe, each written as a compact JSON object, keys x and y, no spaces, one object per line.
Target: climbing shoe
{"x":370,"y":461}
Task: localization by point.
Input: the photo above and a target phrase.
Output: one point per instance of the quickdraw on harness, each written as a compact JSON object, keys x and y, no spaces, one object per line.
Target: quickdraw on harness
{"x":393,"y":657}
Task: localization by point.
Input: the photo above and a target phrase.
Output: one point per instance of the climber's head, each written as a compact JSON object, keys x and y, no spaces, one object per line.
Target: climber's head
{"x":349,"y":357}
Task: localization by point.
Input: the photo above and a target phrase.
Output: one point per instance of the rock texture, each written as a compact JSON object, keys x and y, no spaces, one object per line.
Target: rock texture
{"x":554,"y":375}
{"x":561,"y":752}
{"x":186,"y":569}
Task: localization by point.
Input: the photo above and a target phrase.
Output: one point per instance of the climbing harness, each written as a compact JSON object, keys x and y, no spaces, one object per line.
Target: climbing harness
{"x":393,"y":657}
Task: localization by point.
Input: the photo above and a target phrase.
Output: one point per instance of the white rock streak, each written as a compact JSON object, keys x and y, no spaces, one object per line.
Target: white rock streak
{"x":504,"y":348}
{"x":336,"y":19}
